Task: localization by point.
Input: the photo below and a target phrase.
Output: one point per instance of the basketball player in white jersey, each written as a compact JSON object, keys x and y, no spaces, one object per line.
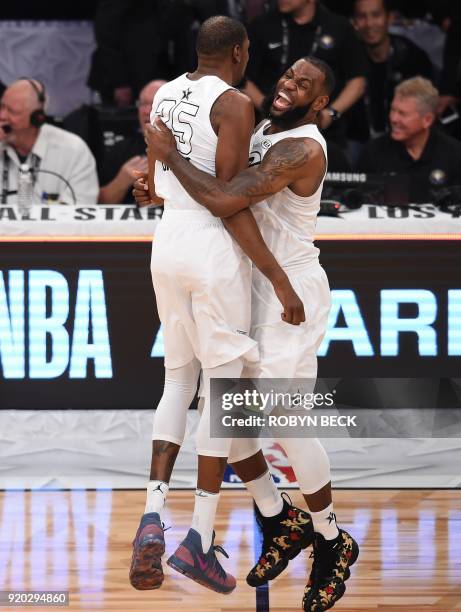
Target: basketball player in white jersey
{"x":202,"y":282}
{"x":285,"y":188}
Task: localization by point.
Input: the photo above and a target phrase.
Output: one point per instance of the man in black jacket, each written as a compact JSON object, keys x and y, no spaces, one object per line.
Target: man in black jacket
{"x":392,"y":59}
{"x":414,"y":148}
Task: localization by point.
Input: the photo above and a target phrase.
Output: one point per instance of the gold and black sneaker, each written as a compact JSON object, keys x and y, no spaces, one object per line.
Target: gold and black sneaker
{"x":284,"y":536}
{"x":330,"y":570}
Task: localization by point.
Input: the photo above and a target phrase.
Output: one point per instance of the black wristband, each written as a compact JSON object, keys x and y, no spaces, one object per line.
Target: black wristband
{"x":334,"y":114}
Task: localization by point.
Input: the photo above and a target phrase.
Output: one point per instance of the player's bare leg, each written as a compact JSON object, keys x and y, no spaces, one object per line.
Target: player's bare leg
{"x":149,"y":543}
{"x":168,"y":433}
{"x":196,"y":555}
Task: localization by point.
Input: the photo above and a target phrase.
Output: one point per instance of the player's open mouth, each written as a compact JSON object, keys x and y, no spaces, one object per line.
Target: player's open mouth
{"x":281,"y":101}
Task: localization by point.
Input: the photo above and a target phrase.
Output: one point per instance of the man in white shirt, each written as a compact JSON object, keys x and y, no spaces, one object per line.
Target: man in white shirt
{"x":62,"y":166}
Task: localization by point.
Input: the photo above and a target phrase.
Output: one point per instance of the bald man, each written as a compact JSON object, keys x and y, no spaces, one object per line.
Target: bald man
{"x":62,"y":166}
{"x":128,"y":156}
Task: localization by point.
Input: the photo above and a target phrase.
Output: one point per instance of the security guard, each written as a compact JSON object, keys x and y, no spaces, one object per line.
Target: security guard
{"x":429,"y":158}
{"x":305,"y":27}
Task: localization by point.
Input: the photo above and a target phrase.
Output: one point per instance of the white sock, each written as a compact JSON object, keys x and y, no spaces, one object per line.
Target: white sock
{"x":157,"y":490}
{"x":325,"y":523}
{"x":266,"y":495}
{"x":204,"y":516}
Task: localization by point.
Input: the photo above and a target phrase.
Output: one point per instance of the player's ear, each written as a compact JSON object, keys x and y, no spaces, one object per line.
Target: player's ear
{"x":320,"y":103}
{"x":237,"y":54}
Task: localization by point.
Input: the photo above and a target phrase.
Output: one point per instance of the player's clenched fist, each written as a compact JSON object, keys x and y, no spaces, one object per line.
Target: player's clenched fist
{"x":141,"y":189}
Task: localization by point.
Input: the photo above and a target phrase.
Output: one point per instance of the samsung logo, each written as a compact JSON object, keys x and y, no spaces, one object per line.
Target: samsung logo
{"x":346,"y":177}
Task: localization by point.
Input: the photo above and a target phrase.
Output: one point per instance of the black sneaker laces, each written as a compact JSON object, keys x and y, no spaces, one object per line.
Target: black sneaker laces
{"x":286,"y":497}
{"x":322,"y":568}
{"x":267,"y":528}
{"x":218,"y":567}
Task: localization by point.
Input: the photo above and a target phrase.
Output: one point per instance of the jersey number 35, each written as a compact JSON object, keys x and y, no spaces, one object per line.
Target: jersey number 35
{"x":174,"y":114}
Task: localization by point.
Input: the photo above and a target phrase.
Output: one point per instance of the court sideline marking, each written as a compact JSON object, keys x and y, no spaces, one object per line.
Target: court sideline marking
{"x":262,"y":592}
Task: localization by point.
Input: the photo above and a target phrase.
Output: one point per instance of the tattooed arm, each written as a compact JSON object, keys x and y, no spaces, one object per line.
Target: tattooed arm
{"x":295,"y":162}
{"x":232,"y":156}
{"x":232,"y":118}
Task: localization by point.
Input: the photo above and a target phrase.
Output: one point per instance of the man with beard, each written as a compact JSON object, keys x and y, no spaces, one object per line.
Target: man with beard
{"x":202,"y":282}
{"x":284,"y":187}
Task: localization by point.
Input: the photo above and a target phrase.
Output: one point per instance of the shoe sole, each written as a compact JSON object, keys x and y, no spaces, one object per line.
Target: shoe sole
{"x":193,"y":574}
{"x":340,"y":594}
{"x":146,"y":571}
{"x":281,"y":565}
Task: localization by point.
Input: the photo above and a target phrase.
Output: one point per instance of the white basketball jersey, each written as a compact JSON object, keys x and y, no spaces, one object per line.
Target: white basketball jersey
{"x":184,"y":106}
{"x":287,"y":221}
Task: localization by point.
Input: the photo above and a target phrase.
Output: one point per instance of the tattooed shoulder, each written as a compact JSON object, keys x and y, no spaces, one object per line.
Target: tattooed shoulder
{"x":288,"y":154}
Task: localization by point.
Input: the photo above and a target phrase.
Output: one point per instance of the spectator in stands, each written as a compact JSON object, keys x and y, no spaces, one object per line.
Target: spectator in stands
{"x":305,"y":27}
{"x":128,"y":155}
{"x":62,"y":166}
{"x":133,"y":46}
{"x":392,"y":59}
{"x":428,"y":157}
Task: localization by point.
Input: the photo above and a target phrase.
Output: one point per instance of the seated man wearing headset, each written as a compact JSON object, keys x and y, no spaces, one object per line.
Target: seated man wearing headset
{"x":62,"y":166}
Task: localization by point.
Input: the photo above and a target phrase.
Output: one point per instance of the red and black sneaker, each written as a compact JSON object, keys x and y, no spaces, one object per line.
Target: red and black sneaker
{"x":284,"y":536}
{"x":330,"y":570}
{"x":204,"y":568}
{"x":148,"y":547}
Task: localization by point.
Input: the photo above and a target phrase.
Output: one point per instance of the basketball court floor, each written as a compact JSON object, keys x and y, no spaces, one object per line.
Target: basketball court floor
{"x":80,"y":541}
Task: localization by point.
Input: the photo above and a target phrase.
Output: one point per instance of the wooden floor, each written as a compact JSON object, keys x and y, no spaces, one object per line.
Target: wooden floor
{"x":81,"y":541}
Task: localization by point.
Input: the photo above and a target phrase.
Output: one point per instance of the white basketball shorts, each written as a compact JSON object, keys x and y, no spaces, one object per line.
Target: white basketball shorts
{"x":289,"y":351}
{"x":202,"y":283}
